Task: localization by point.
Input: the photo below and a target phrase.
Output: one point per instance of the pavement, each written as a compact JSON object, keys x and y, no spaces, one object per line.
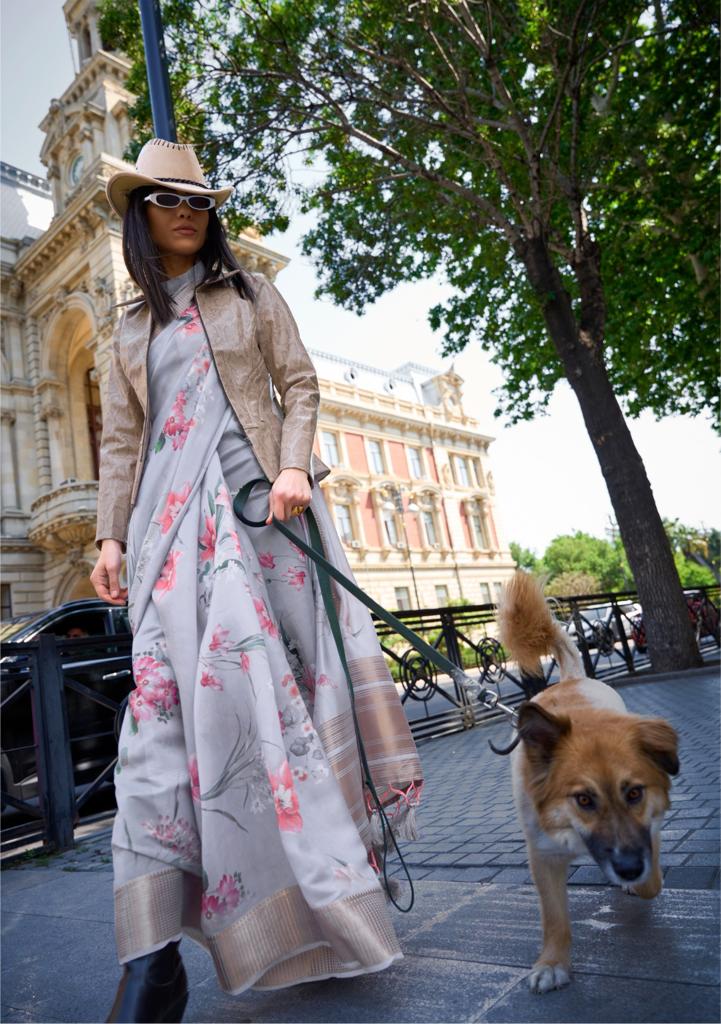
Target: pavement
{"x":473,"y":931}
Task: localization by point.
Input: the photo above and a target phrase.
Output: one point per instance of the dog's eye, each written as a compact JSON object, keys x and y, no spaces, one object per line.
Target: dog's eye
{"x":634,"y":794}
{"x":585,"y":801}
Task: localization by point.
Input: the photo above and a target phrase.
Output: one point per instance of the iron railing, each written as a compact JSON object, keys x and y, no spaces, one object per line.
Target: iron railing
{"x":608,"y":630}
{"x":42,"y":686}
{"x":57,"y":750}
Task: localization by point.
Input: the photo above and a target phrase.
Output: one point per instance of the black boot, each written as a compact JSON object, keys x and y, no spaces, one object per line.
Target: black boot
{"x":153,"y":989}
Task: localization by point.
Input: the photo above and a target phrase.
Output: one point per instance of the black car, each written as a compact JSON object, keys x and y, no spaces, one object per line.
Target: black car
{"x":94,"y":647}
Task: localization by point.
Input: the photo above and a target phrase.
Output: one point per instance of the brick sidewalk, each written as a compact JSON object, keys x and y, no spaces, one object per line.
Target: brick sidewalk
{"x":467,"y":946}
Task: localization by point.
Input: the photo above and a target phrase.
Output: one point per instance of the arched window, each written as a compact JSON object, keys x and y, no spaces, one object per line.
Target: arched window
{"x":95,"y":416}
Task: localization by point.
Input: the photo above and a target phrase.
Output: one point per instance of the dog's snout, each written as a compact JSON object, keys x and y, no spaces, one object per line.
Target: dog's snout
{"x":628,"y":864}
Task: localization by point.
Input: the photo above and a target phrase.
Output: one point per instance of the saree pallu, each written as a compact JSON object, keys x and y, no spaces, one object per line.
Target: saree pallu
{"x":242,"y":817}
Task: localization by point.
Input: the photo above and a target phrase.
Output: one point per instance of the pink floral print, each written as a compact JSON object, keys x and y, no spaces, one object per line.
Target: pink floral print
{"x":266,"y":623}
{"x":173,"y":504}
{"x":294,"y":577}
{"x":154,"y":695}
{"x":176,"y":835}
{"x":219,"y":640}
{"x":191,"y":316}
{"x":285,"y":799}
{"x":208,"y":679}
{"x":266,"y":559}
{"x":225,"y":897}
{"x":194,"y":777}
{"x":166,"y":580}
{"x":207,"y":540}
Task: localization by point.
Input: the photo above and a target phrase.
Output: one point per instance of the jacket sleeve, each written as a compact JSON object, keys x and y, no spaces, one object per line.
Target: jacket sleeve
{"x":119,"y":446}
{"x":293,"y":376}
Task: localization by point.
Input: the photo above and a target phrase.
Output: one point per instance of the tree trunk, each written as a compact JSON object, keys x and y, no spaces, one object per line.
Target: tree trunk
{"x":671,"y":641}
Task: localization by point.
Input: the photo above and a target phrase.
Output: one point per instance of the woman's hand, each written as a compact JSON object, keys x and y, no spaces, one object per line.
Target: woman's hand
{"x":105,"y":577}
{"x":290,"y":488}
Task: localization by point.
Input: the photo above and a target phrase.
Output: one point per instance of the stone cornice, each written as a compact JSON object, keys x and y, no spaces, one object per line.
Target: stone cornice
{"x":414,"y":417}
{"x":86,"y":212}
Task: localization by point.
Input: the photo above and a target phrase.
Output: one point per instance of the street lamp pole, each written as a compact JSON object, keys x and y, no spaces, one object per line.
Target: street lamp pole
{"x":156,"y":64}
{"x":397,"y":497}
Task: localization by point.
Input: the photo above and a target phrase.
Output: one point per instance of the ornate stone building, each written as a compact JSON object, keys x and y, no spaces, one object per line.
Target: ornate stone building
{"x":411,"y":489}
{"x":61,"y":269}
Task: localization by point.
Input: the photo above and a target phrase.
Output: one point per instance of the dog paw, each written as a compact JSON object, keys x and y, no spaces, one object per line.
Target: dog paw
{"x":545,"y":977}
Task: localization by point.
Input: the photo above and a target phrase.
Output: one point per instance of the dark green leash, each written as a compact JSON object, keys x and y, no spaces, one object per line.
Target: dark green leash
{"x":324,"y":570}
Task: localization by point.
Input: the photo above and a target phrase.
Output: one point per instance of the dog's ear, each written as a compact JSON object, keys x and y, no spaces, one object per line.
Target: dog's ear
{"x":658,"y":740}
{"x":540,"y":730}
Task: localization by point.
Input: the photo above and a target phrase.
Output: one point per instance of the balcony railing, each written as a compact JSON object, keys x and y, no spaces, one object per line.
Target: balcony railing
{"x":66,"y":516}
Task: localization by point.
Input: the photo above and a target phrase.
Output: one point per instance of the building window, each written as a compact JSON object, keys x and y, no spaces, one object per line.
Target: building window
{"x":329,"y":443}
{"x":390,"y":526}
{"x":429,"y":525}
{"x":498,"y":587}
{"x":460,"y":471}
{"x":6,"y":601}
{"x":343,"y":523}
{"x":415,"y":463}
{"x":485,"y":593}
{"x":441,"y":596}
{"x":477,"y":472}
{"x":478,"y":533}
{"x":376,"y":456}
{"x":403,"y":599}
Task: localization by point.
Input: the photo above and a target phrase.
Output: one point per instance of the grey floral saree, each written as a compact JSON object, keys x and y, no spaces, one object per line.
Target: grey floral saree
{"x":242,"y":819}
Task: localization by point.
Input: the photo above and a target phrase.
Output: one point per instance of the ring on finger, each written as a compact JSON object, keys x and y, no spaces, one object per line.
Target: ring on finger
{"x":297,"y":510}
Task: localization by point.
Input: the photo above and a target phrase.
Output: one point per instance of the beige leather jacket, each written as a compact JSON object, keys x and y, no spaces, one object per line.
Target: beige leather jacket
{"x":248,"y":341}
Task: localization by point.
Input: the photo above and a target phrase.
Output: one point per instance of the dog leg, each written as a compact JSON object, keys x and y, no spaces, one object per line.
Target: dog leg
{"x":654,"y":883}
{"x":553,"y":967}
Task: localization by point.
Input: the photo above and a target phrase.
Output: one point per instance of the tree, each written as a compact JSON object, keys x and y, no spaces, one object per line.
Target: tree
{"x":591,"y":557}
{"x":573,"y":583}
{"x":490,"y":141}
{"x":523,"y":557}
{"x":697,"y":552}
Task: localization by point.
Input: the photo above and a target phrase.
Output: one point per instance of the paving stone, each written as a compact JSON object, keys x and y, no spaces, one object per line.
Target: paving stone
{"x":513,"y":876}
{"x":589,"y":875}
{"x":624,"y":1001}
{"x":687,"y":877}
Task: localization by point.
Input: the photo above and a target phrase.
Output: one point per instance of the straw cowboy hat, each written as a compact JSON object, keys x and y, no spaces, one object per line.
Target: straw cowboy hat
{"x":163,"y":163}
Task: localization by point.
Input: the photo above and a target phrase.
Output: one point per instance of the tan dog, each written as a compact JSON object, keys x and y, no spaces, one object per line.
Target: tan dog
{"x":588,"y":776}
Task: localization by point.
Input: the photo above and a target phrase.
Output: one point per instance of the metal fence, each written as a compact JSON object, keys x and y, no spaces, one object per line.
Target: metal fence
{"x":61,"y":698}
{"x":608,"y":630}
{"x":58,"y":741}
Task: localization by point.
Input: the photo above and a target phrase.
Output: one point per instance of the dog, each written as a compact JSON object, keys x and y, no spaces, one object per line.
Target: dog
{"x":588,"y":776}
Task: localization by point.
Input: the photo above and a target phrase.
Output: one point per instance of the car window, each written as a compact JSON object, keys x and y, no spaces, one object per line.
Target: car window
{"x":121,"y":622}
{"x":78,"y":624}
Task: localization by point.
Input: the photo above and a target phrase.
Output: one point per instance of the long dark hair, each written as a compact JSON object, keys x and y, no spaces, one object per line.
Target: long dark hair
{"x":145,"y":266}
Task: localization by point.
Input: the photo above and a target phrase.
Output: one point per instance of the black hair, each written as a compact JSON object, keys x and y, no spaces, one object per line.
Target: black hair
{"x":145,"y":266}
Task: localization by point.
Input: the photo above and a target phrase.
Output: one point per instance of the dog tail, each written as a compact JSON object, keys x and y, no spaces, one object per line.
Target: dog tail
{"x":528,"y":630}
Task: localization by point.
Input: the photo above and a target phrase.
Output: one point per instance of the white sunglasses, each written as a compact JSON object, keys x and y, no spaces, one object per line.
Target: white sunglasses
{"x":169,"y":200}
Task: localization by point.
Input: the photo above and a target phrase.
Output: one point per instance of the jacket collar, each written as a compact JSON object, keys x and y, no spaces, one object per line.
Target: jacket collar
{"x":213,"y":280}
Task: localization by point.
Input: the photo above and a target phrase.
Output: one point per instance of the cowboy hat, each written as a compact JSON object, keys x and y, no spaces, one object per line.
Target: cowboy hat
{"x":160,"y":162}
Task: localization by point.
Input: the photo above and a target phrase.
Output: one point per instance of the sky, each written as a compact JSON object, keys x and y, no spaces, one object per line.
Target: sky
{"x":548,"y":481}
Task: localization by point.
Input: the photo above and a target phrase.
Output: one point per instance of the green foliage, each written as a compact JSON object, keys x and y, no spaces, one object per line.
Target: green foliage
{"x":437,"y":152}
{"x":599,"y":560}
{"x":579,"y":563}
{"x":697,"y":552}
{"x":524,"y":557}
{"x":573,"y":583}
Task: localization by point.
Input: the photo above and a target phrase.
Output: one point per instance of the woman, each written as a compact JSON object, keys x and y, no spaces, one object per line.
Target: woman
{"x":243,"y":820}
